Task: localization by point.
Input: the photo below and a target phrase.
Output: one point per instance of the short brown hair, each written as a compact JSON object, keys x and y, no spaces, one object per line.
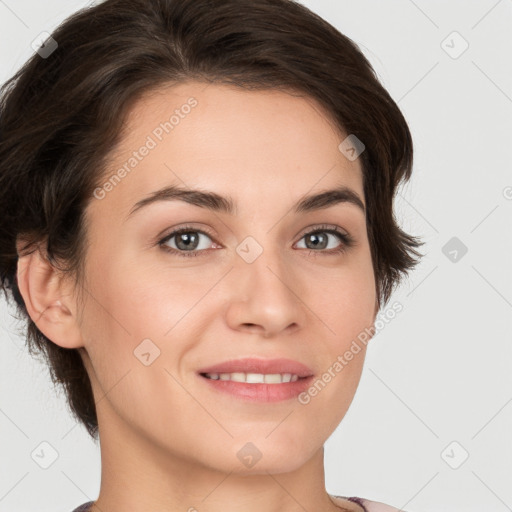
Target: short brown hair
{"x":61,"y":115}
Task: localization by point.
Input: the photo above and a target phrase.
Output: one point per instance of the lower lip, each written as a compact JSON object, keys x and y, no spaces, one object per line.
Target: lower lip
{"x":260,"y":392}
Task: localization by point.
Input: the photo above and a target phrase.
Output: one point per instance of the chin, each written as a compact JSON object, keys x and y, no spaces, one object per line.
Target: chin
{"x":261,"y":455}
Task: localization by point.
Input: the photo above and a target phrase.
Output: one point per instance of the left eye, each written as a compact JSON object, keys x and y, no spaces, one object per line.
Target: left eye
{"x":319,"y":239}
{"x":187,"y":240}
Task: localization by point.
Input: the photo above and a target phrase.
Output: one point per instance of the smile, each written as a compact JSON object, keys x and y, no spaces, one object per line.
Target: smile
{"x":254,"y":378}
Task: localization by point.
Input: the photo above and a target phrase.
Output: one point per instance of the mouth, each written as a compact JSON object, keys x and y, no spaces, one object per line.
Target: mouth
{"x":250,"y":369}
{"x":257,"y":379}
{"x":257,"y":388}
{"x":254,"y":378}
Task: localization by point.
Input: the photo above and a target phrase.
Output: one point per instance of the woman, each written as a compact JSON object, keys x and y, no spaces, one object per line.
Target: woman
{"x":197,"y":225}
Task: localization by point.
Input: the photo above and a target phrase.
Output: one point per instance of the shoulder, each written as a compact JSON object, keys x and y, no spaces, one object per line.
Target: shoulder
{"x":84,"y":508}
{"x":377,"y":506}
{"x":355,"y":504}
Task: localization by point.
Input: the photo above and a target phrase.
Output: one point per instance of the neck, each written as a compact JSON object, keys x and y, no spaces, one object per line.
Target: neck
{"x":138,"y":475}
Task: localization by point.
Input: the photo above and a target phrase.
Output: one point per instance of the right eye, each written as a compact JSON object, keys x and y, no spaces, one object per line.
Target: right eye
{"x":188,"y":242}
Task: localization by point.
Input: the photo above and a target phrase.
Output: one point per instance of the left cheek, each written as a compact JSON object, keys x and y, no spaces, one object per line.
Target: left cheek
{"x":349,"y":306}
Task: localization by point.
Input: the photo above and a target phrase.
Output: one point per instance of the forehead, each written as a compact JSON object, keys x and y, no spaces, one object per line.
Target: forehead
{"x":228,"y":139}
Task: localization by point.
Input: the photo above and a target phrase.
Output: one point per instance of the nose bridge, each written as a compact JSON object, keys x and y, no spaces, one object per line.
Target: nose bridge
{"x":271,"y":272}
{"x":263,"y":293}
{"x":263,"y":260}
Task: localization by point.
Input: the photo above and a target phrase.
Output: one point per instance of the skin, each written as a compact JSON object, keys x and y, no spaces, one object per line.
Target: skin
{"x":169,"y":442}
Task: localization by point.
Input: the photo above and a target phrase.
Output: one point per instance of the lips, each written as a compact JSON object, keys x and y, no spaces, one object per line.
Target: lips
{"x":265,"y":366}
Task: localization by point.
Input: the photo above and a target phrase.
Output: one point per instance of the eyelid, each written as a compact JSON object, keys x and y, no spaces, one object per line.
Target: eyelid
{"x":323,"y":227}
{"x":185,"y":227}
{"x":162,"y":239}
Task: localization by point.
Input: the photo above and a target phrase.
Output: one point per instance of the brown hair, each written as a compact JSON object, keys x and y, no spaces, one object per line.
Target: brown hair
{"x":62,"y":114}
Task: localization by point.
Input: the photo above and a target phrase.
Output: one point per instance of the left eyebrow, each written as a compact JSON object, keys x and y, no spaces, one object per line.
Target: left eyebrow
{"x":330,"y":198}
{"x":216,"y":202}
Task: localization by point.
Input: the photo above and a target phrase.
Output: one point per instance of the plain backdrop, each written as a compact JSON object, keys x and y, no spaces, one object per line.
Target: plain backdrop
{"x":430,"y":427}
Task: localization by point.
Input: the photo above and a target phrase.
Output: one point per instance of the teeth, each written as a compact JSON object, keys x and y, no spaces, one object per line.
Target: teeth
{"x":255,"y":378}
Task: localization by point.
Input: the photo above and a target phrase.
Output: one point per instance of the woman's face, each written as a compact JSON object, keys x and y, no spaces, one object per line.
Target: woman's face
{"x":250,"y":283}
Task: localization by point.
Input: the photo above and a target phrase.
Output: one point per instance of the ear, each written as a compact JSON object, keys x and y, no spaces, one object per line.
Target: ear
{"x":47,"y":298}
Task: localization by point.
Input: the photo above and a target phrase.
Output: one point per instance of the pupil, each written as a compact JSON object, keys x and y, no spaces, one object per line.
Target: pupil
{"x":317,"y":237}
{"x":188,"y":239}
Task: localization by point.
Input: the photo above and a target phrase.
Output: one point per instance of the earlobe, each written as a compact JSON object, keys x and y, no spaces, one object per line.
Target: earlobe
{"x":42,"y":290}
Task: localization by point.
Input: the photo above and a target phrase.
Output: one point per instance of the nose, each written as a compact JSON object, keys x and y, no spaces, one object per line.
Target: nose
{"x":265,"y":297}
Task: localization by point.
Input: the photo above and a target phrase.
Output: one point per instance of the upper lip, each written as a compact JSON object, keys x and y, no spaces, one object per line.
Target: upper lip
{"x":265,"y":366}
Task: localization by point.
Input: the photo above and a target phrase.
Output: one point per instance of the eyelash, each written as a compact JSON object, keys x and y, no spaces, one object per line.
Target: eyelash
{"x":346,"y":241}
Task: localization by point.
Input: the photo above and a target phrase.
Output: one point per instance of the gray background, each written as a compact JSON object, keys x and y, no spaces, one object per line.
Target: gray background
{"x":437,"y":385}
